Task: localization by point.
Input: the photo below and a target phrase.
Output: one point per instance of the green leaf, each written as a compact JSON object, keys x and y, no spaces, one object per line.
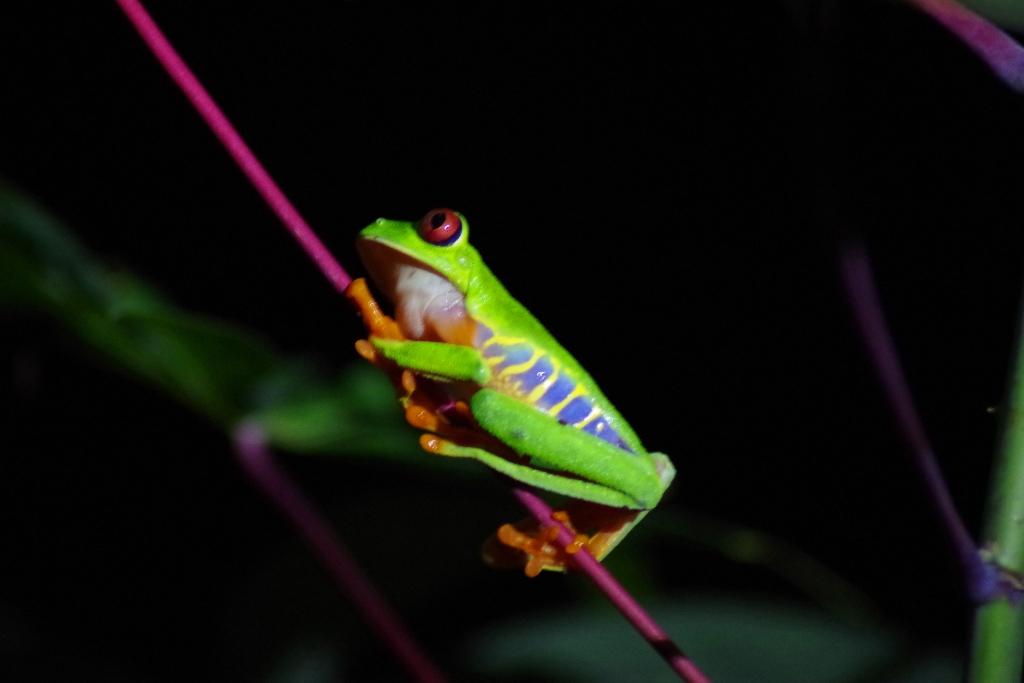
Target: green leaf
{"x":205,"y":363}
{"x":733,"y":640}
{"x":219,"y":370}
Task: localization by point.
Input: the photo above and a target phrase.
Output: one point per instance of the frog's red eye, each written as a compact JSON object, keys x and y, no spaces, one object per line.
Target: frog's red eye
{"x":441,"y":227}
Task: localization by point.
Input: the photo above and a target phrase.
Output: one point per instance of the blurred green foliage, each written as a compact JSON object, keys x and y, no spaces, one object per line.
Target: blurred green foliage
{"x":222,"y":372}
{"x":1007,"y":13}
{"x":736,"y":639}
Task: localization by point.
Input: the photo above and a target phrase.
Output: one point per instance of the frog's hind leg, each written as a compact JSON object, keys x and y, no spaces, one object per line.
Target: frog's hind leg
{"x":526,"y":545}
{"x":554,"y":446}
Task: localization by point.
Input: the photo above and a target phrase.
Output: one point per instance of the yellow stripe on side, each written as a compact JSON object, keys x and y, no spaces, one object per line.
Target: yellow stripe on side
{"x":539,"y":390}
{"x":500,"y":341}
{"x":595,"y":413}
{"x":557,"y":408}
{"x":522,"y":367}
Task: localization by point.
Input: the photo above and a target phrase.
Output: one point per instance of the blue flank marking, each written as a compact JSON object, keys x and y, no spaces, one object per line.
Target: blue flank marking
{"x":494,"y":351}
{"x":608,"y":434}
{"x":591,"y":428}
{"x":573,"y":412}
{"x":576,"y":410}
{"x":515,"y":354}
{"x":556,"y":393}
{"x":483,"y":333}
{"x":537,"y":373}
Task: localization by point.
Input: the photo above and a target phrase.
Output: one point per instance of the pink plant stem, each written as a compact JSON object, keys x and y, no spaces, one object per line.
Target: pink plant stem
{"x":235,"y":145}
{"x":256,"y":458}
{"x":616,"y":594}
{"x":258,"y":462}
{"x":1001,"y":52}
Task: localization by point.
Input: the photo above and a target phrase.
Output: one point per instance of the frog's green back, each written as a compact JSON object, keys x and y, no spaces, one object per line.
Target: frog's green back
{"x":526,"y":361}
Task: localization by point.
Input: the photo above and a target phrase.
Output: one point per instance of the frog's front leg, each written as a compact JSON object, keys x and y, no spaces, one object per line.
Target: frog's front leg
{"x":378,"y":324}
{"x":426,"y":367}
{"x":437,"y":360}
{"x":425,"y":408}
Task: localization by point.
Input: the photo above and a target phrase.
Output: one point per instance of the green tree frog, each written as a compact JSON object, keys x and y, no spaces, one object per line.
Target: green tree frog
{"x":484,"y":380}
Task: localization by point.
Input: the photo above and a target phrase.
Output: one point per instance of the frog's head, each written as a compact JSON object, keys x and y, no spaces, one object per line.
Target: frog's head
{"x":424,"y":268}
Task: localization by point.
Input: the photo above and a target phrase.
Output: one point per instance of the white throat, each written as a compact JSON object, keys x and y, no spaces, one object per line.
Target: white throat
{"x":427,"y":303}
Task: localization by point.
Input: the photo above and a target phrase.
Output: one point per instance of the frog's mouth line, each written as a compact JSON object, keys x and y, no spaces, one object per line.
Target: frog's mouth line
{"x":427,"y":304}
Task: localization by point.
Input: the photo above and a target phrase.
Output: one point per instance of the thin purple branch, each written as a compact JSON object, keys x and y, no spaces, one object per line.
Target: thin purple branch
{"x":235,"y":145}
{"x":256,"y":458}
{"x":982,"y":578}
{"x":617,"y":595}
{"x":258,"y":463}
{"x":1001,"y":52}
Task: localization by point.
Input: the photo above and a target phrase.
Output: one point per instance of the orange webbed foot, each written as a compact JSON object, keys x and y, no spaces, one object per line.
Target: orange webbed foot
{"x":525,"y":544}
{"x":538,"y":544}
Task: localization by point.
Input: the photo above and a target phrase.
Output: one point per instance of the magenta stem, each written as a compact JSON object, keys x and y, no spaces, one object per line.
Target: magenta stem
{"x":1001,"y":52}
{"x":235,"y":145}
{"x":258,"y":462}
{"x":256,"y":458}
{"x":867,"y":309}
{"x":619,"y":596}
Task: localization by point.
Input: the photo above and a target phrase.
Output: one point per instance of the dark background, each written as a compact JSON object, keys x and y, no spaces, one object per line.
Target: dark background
{"x":663,"y":187}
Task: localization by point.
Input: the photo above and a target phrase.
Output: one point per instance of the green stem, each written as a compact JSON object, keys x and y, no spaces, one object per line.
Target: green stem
{"x":997,"y":654}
